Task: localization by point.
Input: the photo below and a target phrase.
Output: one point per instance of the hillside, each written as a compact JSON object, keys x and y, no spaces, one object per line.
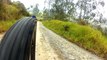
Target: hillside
{"x":84,"y":36}
{"x":12,"y":10}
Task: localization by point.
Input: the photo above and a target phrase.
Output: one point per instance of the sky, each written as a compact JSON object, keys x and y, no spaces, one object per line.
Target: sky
{"x":29,"y":3}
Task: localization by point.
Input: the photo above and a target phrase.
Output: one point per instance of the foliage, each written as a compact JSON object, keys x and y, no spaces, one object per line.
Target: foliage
{"x":14,"y":10}
{"x":21,"y":8}
{"x":5,"y":25}
{"x":74,"y":9}
{"x":36,"y":10}
{"x":11,"y":12}
{"x":84,"y":36}
{"x":46,"y":15}
{"x":60,"y":9}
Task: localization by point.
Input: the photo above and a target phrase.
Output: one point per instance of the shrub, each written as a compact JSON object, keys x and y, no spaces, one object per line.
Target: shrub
{"x":5,"y":25}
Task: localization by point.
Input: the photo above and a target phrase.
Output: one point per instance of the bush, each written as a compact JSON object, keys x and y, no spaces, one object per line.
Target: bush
{"x":12,"y":11}
{"x":84,"y":36}
{"x":5,"y":25}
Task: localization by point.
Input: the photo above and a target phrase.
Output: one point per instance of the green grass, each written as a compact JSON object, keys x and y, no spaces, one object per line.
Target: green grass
{"x":84,"y":36}
{"x":5,"y":25}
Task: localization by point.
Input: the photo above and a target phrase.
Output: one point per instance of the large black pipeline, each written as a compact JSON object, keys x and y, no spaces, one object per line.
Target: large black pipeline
{"x":19,"y":41}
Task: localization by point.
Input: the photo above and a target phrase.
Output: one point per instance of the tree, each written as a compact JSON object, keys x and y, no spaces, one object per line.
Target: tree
{"x":61,"y":9}
{"x":21,"y":8}
{"x":15,"y":10}
{"x":88,"y":9}
{"x":36,"y":10}
{"x":70,"y":10}
{"x":85,"y":8}
{"x":5,"y":1}
{"x":46,"y":14}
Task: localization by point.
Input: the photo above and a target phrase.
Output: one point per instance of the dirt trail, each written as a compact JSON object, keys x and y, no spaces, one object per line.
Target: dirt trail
{"x":50,"y":46}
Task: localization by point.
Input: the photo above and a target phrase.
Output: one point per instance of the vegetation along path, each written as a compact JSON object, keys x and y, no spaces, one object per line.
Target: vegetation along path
{"x":1,"y":35}
{"x":50,"y":46}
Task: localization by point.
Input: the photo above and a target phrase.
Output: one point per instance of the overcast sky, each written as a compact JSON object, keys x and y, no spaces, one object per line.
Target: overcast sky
{"x":29,"y":3}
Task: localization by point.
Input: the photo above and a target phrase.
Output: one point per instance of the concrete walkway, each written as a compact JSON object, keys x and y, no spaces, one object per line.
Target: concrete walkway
{"x":43,"y":49}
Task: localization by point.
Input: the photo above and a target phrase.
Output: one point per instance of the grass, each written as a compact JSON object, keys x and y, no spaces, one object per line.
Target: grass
{"x":5,"y":25}
{"x":84,"y":36}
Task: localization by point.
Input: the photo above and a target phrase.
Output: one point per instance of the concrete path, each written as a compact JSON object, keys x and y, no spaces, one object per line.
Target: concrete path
{"x":43,"y":49}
